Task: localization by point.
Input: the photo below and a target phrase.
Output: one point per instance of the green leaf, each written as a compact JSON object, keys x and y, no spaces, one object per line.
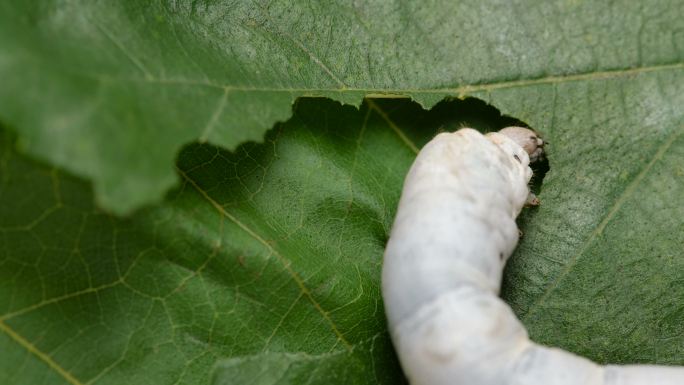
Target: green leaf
{"x":273,"y":251}
{"x":268,"y":256}
{"x":110,"y":90}
{"x":265,"y":262}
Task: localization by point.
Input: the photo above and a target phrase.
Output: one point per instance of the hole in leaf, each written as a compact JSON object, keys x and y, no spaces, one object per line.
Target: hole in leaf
{"x":446,"y":116}
{"x":539,"y":168}
{"x":450,"y":115}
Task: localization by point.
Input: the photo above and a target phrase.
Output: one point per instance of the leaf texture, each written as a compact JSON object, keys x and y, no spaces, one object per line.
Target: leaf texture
{"x":112,"y":90}
{"x":263,"y":263}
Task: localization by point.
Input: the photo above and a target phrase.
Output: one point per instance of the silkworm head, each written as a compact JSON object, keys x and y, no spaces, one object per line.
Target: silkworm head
{"x":527,"y":139}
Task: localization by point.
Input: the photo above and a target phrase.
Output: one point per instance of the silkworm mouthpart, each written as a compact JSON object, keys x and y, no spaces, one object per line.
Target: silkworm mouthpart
{"x":527,"y":139}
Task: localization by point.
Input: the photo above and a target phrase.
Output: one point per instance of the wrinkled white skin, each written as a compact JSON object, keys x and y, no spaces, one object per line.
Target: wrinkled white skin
{"x":454,"y":230}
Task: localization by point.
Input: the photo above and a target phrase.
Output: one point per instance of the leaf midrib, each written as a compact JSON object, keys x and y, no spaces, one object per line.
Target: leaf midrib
{"x":404,"y":92}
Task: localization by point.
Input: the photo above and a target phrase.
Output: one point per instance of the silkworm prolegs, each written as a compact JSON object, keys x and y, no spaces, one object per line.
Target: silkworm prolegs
{"x":453,"y":232}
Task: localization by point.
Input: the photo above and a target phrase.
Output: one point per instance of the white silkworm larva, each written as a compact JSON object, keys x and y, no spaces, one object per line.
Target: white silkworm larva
{"x":453,"y":232}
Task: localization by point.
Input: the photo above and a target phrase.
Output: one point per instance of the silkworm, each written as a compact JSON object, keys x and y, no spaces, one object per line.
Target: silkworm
{"x":453,"y":232}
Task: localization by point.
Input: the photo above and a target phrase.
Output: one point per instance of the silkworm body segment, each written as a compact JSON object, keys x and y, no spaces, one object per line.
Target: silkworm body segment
{"x":453,"y":232}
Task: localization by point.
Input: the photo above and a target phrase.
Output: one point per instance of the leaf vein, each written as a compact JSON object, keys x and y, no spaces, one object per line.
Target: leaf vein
{"x":90,"y":290}
{"x":409,"y":143}
{"x":125,"y":51}
{"x":460,"y":91}
{"x":220,"y":106}
{"x":38,"y":353}
{"x":284,"y":261}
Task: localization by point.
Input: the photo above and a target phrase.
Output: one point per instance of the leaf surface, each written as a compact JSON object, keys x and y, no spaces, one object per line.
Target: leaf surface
{"x":264,"y":263}
{"x":112,"y":90}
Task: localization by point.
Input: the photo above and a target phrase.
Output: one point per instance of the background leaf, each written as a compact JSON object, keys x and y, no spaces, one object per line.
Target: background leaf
{"x":265,"y":262}
{"x":111,"y":90}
